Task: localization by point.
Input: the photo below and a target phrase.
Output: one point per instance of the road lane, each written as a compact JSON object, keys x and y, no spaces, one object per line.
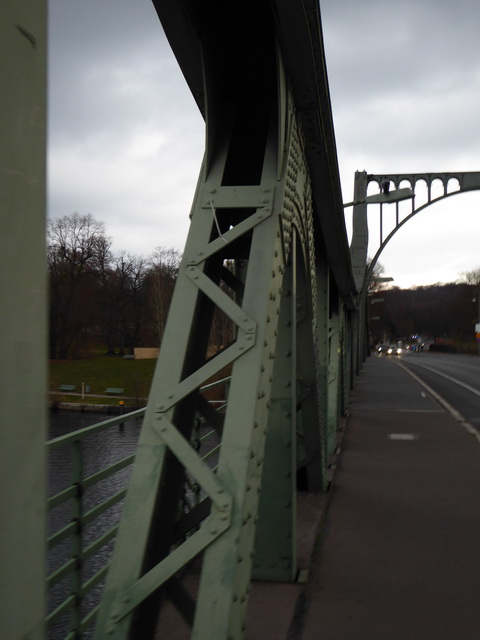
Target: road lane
{"x":456,"y":378}
{"x":399,"y":553}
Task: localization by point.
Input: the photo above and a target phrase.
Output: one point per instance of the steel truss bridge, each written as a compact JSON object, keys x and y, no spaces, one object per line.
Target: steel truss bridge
{"x":213,"y":491}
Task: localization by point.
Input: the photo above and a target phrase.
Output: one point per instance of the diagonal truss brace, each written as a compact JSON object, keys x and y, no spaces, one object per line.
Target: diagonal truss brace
{"x":219,"y":520}
{"x":214,"y":525}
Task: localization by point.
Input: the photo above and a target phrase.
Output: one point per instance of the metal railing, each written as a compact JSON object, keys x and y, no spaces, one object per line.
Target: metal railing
{"x":69,"y":563}
{"x":81,"y":539}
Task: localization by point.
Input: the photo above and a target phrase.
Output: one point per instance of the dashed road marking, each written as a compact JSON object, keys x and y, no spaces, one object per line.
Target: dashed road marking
{"x":441,"y":401}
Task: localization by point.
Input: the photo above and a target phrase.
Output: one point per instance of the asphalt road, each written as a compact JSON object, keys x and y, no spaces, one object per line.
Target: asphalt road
{"x":399,"y":554}
{"x":455,"y":377}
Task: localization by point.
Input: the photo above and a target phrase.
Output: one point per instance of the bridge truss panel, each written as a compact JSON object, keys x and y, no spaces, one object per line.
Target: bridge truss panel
{"x":212,"y":498}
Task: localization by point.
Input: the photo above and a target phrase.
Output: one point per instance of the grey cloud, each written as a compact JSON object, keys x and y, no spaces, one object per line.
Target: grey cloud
{"x":375,"y":47}
{"x":126,"y":138}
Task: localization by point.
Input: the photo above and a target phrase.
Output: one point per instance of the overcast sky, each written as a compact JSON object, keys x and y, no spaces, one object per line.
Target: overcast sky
{"x":126,"y":139}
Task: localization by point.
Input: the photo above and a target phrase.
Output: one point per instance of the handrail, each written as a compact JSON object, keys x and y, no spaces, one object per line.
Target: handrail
{"x":94,"y":428}
{"x":74,"y":530}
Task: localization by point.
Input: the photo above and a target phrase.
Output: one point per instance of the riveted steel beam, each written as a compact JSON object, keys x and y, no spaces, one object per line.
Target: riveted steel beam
{"x":255,"y":241}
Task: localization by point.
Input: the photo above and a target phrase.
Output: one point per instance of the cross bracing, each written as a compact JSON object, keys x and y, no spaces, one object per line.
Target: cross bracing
{"x":266,"y":249}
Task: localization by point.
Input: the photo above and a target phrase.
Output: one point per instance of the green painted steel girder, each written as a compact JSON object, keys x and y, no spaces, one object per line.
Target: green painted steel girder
{"x":297,"y":26}
{"x":261,"y":225}
{"x":23,"y":352}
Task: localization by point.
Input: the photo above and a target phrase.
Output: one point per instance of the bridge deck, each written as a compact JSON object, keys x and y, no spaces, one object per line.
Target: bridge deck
{"x":400,"y":554}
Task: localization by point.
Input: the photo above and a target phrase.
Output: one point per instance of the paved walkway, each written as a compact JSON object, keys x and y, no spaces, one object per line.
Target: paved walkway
{"x":399,"y":558}
{"x":398,"y":554}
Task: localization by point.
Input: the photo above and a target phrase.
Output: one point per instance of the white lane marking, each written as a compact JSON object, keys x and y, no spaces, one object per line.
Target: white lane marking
{"x":441,"y":401}
{"x":402,"y":436}
{"x":444,"y":375}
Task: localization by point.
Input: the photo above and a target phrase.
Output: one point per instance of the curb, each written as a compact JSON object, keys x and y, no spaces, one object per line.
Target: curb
{"x":304,"y":599}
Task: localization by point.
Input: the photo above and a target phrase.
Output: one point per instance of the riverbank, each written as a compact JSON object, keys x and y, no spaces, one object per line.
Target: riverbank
{"x":90,"y":384}
{"x":110,"y":409}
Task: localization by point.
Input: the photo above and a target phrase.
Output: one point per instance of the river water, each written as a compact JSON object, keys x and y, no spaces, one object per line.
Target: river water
{"x":99,"y":451}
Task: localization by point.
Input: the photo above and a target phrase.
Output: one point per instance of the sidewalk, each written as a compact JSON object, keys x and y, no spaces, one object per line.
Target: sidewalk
{"x":399,"y":557}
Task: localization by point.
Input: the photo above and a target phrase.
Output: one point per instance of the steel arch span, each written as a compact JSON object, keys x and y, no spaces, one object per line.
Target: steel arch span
{"x":463,"y":181}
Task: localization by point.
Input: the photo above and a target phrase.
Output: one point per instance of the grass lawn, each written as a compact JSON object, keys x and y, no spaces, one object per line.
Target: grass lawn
{"x":134,"y":376}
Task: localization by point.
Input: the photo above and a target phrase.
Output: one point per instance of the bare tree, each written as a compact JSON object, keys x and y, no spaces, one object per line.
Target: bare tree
{"x":472,"y":277}
{"x":76,"y":244}
{"x":134,"y":289}
{"x":123,"y":298}
{"x":375,"y":283}
{"x":164,"y":265}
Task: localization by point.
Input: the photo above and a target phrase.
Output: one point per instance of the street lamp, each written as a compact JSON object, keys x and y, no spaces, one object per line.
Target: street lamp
{"x":386,"y":279}
{"x":385,"y":197}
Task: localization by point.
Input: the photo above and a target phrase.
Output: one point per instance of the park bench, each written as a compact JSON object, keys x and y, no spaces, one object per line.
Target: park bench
{"x":66,"y":387}
{"x":114,"y":391}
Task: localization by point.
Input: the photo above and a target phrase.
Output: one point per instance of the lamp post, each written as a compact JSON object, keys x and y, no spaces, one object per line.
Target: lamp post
{"x":476,"y":298}
{"x":386,"y":197}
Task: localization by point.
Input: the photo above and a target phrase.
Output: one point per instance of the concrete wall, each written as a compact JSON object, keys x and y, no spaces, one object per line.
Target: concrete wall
{"x":145,"y":353}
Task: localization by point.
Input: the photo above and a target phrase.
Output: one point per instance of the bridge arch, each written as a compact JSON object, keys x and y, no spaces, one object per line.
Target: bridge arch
{"x":451,"y":184}
{"x":467,"y":181}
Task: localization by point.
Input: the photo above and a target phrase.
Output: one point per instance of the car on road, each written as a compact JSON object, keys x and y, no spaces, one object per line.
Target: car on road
{"x":394,"y":350}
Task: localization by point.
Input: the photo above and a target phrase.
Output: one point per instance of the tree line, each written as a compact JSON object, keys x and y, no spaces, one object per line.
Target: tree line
{"x":98,"y":297}
{"x":115,"y":301}
{"x":442,"y":312}
{"x":119,"y":301}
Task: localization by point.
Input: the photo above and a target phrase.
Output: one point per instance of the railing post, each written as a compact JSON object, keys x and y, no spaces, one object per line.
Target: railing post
{"x":77,"y":514}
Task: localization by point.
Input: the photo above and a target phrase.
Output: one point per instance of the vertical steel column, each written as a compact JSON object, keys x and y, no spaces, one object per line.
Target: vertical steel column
{"x":275,"y":543}
{"x":311,"y":419}
{"x":323,"y":339}
{"x":359,"y":244}
{"x":226,"y":570}
{"x":23,"y":352}
{"x":345,"y":372}
{"x":334,"y":372}
{"x":358,"y":252}
{"x":147,"y":531}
